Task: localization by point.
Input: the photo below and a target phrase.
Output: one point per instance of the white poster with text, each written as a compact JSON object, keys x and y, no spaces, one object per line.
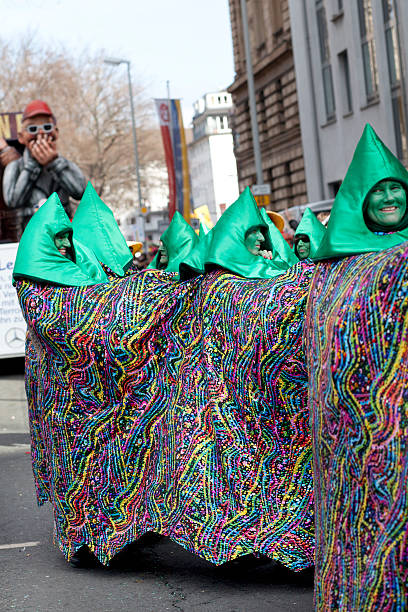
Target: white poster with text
{"x":12,"y":324}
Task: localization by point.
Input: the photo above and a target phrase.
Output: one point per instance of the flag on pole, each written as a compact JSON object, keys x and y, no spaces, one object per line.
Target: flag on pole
{"x":175,"y":150}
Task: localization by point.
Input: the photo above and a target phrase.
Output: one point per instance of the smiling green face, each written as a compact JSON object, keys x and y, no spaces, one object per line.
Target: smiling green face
{"x":303,"y":248}
{"x":63,"y":243}
{"x":162,"y":257}
{"x":254,"y":239}
{"x":386,"y":204}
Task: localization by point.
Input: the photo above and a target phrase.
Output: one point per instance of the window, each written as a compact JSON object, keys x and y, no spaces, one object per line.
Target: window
{"x":391,"y":42}
{"x":259,"y":31}
{"x":345,"y":82}
{"x":279,"y":105}
{"x":275,"y":22}
{"x":394,"y":71}
{"x":327,"y":78}
{"x":224,"y":123}
{"x":365,"y":15}
{"x":333,"y":188}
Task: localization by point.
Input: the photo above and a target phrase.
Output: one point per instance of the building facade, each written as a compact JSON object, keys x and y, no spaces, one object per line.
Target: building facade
{"x":351,"y":63}
{"x":213,"y":169}
{"x":276,"y":102}
{"x":147,"y":229}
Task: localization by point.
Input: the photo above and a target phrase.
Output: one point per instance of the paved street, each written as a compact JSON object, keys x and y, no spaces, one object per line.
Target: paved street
{"x":153,"y":575}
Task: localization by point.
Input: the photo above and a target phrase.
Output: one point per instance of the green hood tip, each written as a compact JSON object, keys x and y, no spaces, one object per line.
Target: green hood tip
{"x":347,"y":233}
{"x":192,"y":264}
{"x":313,"y":228}
{"x":226,"y":242}
{"x":95,"y":226}
{"x":179,"y":239}
{"x":39,"y":260}
{"x":203,"y":231}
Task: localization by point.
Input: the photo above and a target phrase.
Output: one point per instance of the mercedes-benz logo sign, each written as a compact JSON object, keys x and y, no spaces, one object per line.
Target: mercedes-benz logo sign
{"x":15,"y":337}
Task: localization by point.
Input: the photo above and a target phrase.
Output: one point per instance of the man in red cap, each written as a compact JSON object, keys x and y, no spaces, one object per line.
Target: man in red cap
{"x":30,"y":180}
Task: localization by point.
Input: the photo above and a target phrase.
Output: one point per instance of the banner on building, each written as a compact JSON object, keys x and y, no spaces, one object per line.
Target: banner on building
{"x":175,"y":149}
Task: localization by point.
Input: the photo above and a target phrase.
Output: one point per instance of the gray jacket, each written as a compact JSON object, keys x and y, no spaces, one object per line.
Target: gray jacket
{"x":26,"y":182}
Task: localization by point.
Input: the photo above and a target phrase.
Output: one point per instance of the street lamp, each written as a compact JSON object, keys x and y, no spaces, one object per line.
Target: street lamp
{"x":114,"y":61}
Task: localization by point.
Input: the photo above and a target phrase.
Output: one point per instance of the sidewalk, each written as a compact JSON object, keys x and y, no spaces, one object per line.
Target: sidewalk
{"x":13,"y":405}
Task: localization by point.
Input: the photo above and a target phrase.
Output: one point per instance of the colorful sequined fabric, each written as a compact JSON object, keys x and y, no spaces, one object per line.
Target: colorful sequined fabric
{"x":178,"y":408}
{"x":357,"y":347}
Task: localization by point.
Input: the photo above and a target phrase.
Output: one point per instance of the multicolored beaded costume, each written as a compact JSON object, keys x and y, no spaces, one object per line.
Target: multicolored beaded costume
{"x":178,"y":408}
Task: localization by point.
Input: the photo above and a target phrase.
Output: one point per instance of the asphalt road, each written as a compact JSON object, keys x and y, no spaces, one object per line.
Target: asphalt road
{"x":153,"y":575}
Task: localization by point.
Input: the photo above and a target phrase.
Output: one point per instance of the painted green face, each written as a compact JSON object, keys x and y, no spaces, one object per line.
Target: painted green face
{"x":303,"y":248}
{"x":63,"y":243}
{"x":386,"y":203}
{"x":162,"y":256}
{"x":253,"y":240}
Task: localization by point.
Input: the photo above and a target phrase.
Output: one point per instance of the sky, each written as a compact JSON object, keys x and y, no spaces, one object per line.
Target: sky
{"x":187,"y":42}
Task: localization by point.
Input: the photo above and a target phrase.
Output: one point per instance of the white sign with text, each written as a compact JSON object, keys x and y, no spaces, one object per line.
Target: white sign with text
{"x":12,"y":324}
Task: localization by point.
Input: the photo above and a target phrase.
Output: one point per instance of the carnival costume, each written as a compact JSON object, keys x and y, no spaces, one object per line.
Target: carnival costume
{"x":39,"y":260}
{"x":357,"y":346}
{"x":311,"y":227}
{"x":179,"y":239}
{"x":223,"y":247}
{"x":95,"y":226}
{"x":177,"y":408}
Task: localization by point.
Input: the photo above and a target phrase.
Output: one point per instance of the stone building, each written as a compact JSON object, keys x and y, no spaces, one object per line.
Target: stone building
{"x":352,"y":67}
{"x":213,"y":169}
{"x":276,"y":100}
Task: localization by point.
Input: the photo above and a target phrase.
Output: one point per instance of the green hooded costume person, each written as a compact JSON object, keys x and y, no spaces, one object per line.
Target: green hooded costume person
{"x":179,"y":239}
{"x":95,"y":226}
{"x":311,"y":227}
{"x":347,"y":231}
{"x":281,"y":249}
{"x":226,"y":246}
{"x":39,"y":260}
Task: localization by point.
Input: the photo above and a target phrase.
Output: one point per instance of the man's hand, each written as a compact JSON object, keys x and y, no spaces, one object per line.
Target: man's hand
{"x":43,"y":149}
{"x":266,"y":254}
{"x":7,"y":153}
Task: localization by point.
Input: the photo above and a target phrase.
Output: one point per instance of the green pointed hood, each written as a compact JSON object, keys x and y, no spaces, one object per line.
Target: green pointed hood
{"x":38,"y":258}
{"x":280,"y":248}
{"x":179,"y":239}
{"x":313,"y":228}
{"x":226,"y":245}
{"x":192,"y":264}
{"x":95,"y":226}
{"x":203,"y":231}
{"x":347,"y":233}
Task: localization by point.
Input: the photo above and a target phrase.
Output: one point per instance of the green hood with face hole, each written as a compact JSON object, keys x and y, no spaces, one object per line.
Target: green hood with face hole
{"x":95,"y":226}
{"x":179,"y":239}
{"x":226,"y":242}
{"x":38,"y":258}
{"x":313,"y":228}
{"x":347,"y":233}
{"x":280,"y":248}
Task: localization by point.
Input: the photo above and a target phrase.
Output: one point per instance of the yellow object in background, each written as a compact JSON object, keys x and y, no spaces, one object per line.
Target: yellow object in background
{"x":135,"y":247}
{"x":203,"y":214}
{"x":277,"y":219}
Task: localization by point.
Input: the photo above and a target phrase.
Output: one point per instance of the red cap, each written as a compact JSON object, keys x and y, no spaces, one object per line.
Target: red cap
{"x":37,"y":107}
